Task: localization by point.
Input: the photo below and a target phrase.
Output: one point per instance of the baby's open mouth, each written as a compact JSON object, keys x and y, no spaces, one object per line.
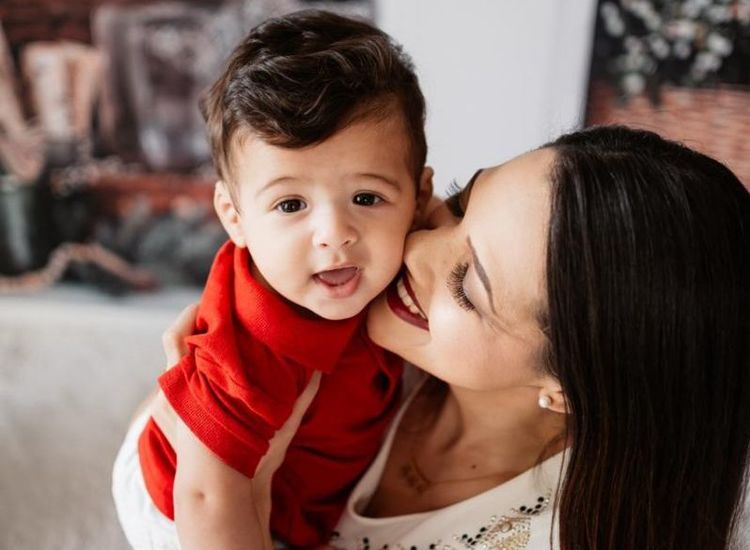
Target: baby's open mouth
{"x":337,"y":277}
{"x":339,"y":283}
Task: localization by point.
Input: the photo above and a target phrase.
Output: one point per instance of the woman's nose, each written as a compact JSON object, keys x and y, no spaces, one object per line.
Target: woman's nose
{"x":423,"y":251}
{"x":333,"y":230}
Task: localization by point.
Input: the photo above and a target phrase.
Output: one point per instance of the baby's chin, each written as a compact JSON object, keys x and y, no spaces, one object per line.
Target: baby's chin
{"x":346,"y":309}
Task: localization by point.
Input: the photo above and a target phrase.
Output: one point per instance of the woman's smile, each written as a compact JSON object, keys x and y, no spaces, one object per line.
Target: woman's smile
{"x":403,"y":302}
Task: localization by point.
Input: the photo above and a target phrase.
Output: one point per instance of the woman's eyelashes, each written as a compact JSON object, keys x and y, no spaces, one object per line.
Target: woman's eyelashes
{"x":453,"y":202}
{"x":456,"y":286}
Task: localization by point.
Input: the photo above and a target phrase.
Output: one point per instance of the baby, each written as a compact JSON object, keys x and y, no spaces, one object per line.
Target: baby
{"x":317,"y":133}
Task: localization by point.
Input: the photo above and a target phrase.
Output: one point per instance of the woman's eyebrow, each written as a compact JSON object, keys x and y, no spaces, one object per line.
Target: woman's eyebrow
{"x":482,"y":274}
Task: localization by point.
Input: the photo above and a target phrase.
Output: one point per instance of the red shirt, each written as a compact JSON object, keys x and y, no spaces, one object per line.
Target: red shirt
{"x":251,"y":355}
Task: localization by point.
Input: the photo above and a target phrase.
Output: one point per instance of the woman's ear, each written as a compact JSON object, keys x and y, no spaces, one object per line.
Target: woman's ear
{"x":552,"y":398}
{"x":228,"y":214}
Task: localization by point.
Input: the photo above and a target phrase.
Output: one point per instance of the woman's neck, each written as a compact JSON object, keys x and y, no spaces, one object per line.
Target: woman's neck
{"x":507,"y":424}
{"x":474,"y":442}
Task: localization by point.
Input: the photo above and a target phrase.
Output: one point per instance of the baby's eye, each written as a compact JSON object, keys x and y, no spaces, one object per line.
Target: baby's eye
{"x":366,"y":199}
{"x":289,"y":206}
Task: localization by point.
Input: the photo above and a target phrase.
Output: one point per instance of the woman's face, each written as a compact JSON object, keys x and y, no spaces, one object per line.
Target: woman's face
{"x":480,"y":284}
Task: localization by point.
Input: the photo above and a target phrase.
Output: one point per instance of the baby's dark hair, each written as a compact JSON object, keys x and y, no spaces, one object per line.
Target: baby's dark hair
{"x":298,"y":79}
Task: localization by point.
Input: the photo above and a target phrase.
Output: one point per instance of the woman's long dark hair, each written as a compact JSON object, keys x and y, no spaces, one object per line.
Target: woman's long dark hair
{"x":647,"y":280}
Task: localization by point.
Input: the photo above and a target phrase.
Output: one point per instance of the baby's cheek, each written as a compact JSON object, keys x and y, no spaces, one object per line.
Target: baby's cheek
{"x":387,"y":255}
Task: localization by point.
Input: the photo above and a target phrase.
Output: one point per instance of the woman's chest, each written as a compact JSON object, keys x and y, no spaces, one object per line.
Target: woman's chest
{"x":411,"y":485}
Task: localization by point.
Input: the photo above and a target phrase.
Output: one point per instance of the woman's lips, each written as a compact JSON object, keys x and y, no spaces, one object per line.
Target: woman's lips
{"x":403,"y":302}
{"x":339,"y":283}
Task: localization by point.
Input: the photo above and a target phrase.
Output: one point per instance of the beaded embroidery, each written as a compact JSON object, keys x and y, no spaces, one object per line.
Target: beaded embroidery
{"x":507,"y":532}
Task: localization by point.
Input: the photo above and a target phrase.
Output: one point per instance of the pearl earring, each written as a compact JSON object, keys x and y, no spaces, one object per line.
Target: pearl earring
{"x":544,"y":402}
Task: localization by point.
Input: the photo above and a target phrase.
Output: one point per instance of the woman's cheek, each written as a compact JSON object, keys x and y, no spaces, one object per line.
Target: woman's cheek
{"x":453,"y":333}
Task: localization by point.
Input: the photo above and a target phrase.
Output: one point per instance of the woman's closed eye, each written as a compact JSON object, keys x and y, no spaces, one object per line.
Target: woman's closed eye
{"x":456,"y":286}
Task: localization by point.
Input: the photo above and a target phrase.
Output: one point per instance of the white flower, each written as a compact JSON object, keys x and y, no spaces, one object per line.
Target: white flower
{"x":681,"y":29}
{"x":653,"y":22}
{"x":690,"y":9}
{"x":635,"y":62}
{"x":719,"y":14}
{"x":681,"y":49}
{"x":659,"y":46}
{"x":609,"y":9}
{"x":719,"y":44}
{"x":633,"y":45}
{"x":633,"y":83}
{"x":615,"y":26}
{"x":642,"y":9}
{"x":695,"y":32}
{"x":613,"y":22}
{"x":707,"y":62}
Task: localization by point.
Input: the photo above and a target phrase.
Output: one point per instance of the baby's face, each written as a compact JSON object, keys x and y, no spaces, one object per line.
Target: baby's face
{"x":326,"y":224}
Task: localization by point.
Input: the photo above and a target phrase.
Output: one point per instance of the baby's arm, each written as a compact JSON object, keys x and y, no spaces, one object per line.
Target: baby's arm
{"x":236,"y":508}
{"x":215,"y":506}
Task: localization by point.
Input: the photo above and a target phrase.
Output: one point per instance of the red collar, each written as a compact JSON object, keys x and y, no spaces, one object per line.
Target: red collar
{"x":313,"y":342}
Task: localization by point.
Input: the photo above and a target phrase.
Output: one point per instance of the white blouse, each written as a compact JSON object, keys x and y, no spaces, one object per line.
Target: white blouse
{"x":513,"y":516}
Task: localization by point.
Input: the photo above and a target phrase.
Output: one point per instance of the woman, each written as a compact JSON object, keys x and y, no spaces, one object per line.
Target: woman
{"x":585,"y":314}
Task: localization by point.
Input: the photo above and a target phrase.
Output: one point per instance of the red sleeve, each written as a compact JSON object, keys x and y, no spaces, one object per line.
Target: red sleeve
{"x":234,"y":417}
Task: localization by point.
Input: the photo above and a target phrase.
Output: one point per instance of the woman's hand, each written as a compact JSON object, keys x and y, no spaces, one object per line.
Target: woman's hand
{"x":277,"y":449}
{"x":173,"y":339}
{"x":173,"y":342}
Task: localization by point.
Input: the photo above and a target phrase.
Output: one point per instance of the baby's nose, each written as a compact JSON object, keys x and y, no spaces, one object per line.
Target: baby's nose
{"x":334,"y":231}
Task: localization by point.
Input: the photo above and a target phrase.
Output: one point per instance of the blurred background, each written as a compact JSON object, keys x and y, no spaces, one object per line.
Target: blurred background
{"x":106,"y":223}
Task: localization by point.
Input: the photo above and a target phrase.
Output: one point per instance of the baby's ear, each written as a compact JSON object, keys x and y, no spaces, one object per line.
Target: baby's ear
{"x":228,"y":214}
{"x":424,"y":191}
